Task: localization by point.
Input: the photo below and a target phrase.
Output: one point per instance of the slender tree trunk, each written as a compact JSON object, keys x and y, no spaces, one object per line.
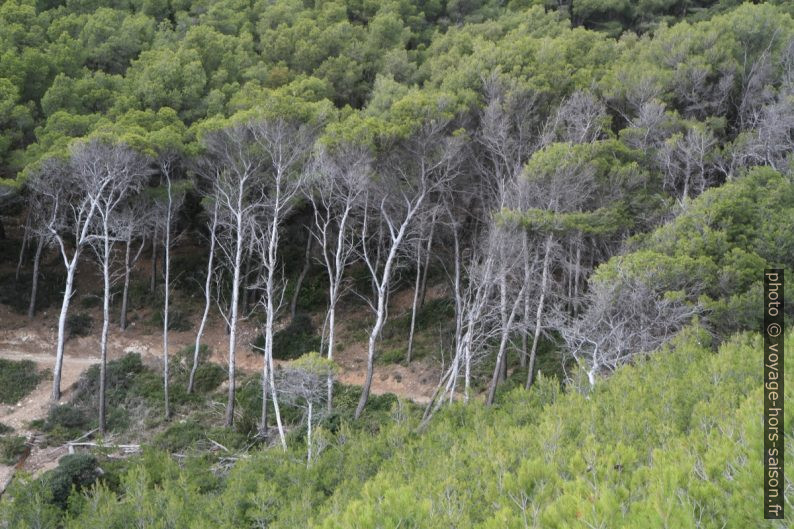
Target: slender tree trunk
{"x":67,"y":296}
{"x":153,"y":278}
{"x":502,"y":354}
{"x":415,"y":303}
{"x":309,"y":437}
{"x":539,"y":314}
{"x":270,"y":313}
{"x":307,"y":262}
{"x":527,"y":310}
{"x":103,"y":342}
{"x":330,"y":379}
{"x":25,"y":238}
{"x":232,"y":326}
{"x":502,"y":364}
{"x":373,"y":337}
{"x":576,"y":276}
{"x":426,"y":267}
{"x":207,"y":301}
{"x":126,"y":288}
{"x":34,"y":288}
{"x":167,"y":287}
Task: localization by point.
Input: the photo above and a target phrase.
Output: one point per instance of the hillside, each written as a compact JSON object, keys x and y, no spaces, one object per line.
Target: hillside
{"x":389,"y":264}
{"x":669,"y":442}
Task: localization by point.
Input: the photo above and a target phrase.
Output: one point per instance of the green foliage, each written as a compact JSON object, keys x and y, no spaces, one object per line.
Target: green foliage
{"x":294,"y":340}
{"x":179,"y":436}
{"x":11,"y":448}
{"x":17,"y":379}
{"x":717,"y":249}
{"x":668,"y":440}
{"x":74,"y":473}
{"x":178,"y":318}
{"x":65,"y":422}
{"x":79,"y":324}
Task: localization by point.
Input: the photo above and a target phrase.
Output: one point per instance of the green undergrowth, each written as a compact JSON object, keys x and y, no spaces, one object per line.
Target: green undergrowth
{"x":17,"y":379}
{"x":672,"y":441}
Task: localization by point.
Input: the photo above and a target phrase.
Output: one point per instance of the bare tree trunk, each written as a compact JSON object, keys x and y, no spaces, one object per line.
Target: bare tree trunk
{"x":501,"y":355}
{"x":527,"y":294}
{"x":330,"y":380}
{"x":426,"y":267}
{"x":270,"y":313}
{"x":25,"y":238}
{"x":307,"y":263}
{"x":309,"y":437}
{"x":34,"y":288}
{"x":373,"y":336}
{"x":415,"y":303}
{"x":67,"y":296}
{"x":576,"y":276}
{"x":539,"y":314}
{"x":207,"y":300}
{"x":103,"y":342}
{"x":167,"y":287}
{"x":125,"y":289}
{"x":153,"y":278}
{"x":232,"y":323}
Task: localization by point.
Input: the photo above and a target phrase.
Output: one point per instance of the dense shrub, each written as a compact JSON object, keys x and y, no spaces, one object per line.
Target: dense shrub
{"x":74,"y":473}
{"x":294,"y":340}
{"x":17,"y":379}
{"x":79,"y":324}
{"x":11,"y":448}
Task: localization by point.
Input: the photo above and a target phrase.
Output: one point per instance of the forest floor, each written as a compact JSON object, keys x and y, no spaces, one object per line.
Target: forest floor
{"x":23,"y":339}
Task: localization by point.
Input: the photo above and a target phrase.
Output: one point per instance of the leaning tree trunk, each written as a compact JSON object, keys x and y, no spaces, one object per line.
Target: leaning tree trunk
{"x":415,"y":304}
{"x":25,"y":237}
{"x":34,"y":287}
{"x":373,"y":337}
{"x":126,"y":288}
{"x":539,"y":314}
{"x":67,"y":296}
{"x":153,"y":278}
{"x":207,"y":302}
{"x":307,"y":263}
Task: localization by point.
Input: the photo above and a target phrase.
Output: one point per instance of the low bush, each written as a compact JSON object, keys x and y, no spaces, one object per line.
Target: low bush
{"x":11,"y":448}
{"x":4,"y":429}
{"x":17,"y":379}
{"x":294,"y":340}
{"x":177,"y":319}
{"x":74,"y":473}
{"x":180,"y":436}
{"x":79,"y":324}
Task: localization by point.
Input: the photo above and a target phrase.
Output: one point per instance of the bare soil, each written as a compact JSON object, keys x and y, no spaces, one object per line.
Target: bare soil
{"x":23,"y":339}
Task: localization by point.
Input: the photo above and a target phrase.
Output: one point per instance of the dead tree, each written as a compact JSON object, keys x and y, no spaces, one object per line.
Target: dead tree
{"x":121,"y":171}
{"x":233,"y":163}
{"x":66,"y":190}
{"x":625,"y":318}
{"x":283,"y":146}
{"x":213,"y":227}
{"x":416,"y":169}
{"x":165,"y":208}
{"x":337,"y":182}
{"x":133,"y":221}
{"x":301,"y":383}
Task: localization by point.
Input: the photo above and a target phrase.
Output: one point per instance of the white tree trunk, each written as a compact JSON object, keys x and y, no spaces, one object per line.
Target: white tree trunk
{"x":103,"y":341}
{"x":67,"y":296}
{"x":539,"y":314}
{"x":207,"y":301}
